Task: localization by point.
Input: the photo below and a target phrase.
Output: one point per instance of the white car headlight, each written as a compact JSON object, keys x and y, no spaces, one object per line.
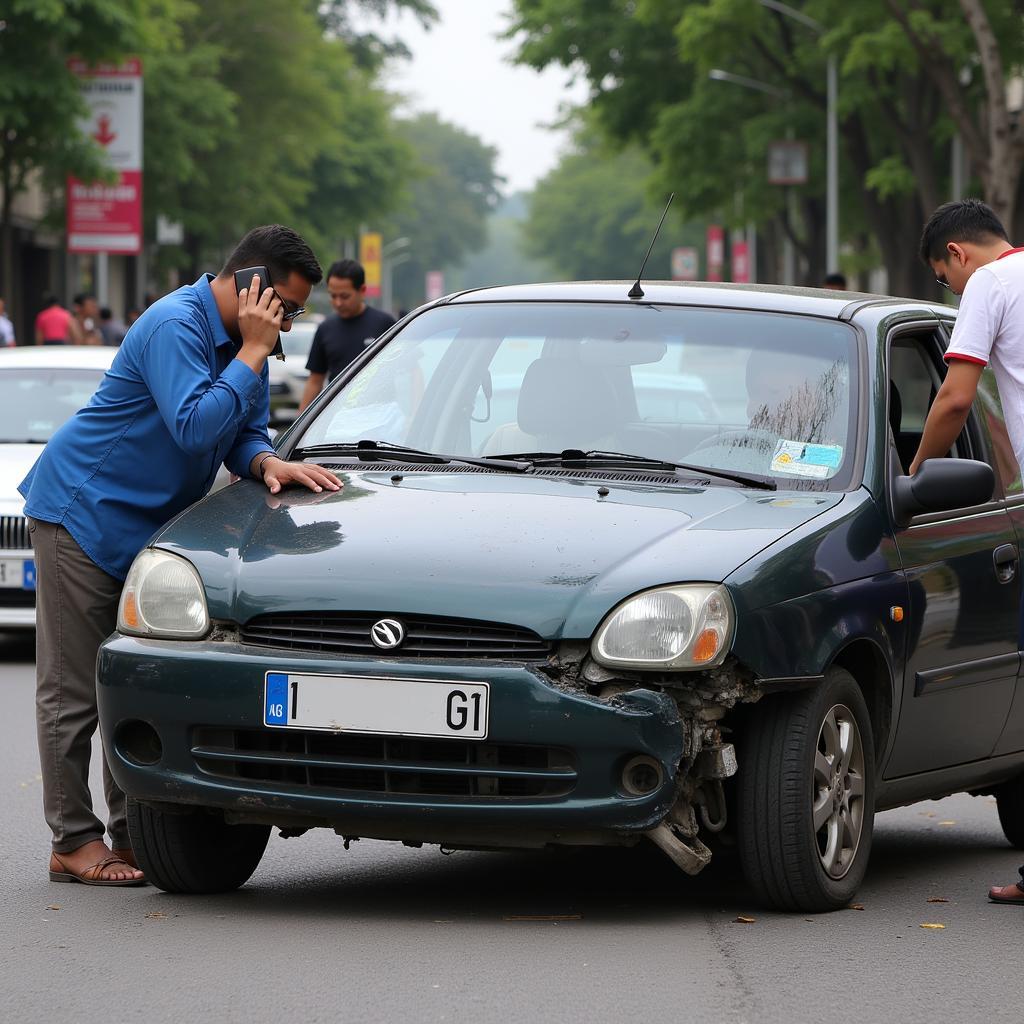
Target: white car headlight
{"x":686,"y":626}
{"x":163,"y":597}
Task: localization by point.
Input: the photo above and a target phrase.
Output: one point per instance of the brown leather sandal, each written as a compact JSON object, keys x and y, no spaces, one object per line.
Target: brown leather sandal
{"x":1012,"y":893}
{"x":127,"y":854}
{"x":91,"y":875}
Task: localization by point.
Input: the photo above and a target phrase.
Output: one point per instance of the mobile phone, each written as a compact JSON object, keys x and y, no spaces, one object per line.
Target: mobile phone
{"x":243,"y":279}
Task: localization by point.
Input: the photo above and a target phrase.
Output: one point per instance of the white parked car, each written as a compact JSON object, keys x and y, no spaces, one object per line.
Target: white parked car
{"x":40,"y":388}
{"x":288,"y":376}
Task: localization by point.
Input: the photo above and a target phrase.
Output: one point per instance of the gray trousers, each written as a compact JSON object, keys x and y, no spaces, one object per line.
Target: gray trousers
{"x":76,"y":610}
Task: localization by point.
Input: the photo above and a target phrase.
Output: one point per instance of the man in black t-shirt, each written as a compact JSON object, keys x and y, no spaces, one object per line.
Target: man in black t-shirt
{"x":340,"y":338}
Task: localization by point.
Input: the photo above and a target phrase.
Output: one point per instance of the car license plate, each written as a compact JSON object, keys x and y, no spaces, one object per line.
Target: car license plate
{"x":391,"y":707}
{"x":18,"y":572}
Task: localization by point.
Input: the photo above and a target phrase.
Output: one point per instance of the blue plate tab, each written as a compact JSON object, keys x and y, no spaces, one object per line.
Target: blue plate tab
{"x":275,"y":708}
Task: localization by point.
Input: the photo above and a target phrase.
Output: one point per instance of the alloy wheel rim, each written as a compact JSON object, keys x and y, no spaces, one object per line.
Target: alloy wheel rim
{"x":837,"y":811}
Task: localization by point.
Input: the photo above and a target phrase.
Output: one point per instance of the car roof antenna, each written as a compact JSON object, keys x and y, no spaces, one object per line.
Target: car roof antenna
{"x":636,"y":292}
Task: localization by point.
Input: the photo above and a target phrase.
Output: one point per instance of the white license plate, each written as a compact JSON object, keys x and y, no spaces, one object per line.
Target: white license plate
{"x":392,"y":707}
{"x":18,"y":573}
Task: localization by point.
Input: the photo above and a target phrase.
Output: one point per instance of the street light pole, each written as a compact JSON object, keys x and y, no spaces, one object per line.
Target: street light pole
{"x":719,"y":75}
{"x":831,"y":136}
{"x":392,"y":255}
{"x":832,"y":173}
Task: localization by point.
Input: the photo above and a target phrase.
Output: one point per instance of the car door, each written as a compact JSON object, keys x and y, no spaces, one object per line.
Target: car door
{"x":963,"y":578}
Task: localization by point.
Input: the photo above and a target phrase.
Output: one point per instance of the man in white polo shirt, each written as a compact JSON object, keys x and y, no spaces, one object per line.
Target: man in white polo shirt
{"x":966,"y":246}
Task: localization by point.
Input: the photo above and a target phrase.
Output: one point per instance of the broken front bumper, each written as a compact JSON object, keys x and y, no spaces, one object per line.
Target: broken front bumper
{"x":182,"y":723}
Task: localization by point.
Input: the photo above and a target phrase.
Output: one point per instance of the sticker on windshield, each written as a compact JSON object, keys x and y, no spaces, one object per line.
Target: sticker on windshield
{"x":795,"y":458}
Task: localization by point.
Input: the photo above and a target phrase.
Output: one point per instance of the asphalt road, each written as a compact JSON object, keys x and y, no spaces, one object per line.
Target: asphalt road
{"x":385,"y":933}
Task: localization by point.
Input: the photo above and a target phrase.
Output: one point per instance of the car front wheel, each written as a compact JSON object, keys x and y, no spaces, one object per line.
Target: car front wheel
{"x":193,"y":851}
{"x":806,"y":791}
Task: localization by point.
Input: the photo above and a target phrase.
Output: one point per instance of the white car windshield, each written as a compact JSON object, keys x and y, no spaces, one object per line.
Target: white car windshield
{"x":34,"y":402}
{"x":734,"y":390}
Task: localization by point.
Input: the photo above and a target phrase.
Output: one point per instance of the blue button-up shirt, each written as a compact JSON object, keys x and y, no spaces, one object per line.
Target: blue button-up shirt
{"x":175,"y":404}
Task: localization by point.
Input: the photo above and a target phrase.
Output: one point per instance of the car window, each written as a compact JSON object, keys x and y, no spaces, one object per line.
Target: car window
{"x":916,"y":371}
{"x":35,"y":402}
{"x":730,"y":389}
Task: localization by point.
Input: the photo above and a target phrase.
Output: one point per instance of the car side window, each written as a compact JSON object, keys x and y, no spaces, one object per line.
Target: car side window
{"x":914,"y":380}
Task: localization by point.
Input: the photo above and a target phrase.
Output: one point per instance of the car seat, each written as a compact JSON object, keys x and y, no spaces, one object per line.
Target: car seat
{"x":563,"y":403}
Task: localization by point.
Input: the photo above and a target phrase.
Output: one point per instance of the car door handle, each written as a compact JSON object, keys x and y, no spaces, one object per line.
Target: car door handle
{"x":1005,"y":558}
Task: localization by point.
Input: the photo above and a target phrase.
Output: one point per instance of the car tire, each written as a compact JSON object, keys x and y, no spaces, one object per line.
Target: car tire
{"x":789,"y":778}
{"x":193,"y":851}
{"x":1010,"y":804}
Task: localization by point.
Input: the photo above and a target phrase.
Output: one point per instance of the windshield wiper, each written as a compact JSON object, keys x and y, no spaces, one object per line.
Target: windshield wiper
{"x":373,"y":450}
{"x":573,"y":456}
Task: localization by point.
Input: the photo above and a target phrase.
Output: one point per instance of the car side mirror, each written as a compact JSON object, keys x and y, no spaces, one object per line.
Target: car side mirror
{"x":942,"y":485}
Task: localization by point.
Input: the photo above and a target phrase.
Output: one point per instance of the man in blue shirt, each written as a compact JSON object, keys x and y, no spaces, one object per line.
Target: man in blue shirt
{"x":186,"y":392}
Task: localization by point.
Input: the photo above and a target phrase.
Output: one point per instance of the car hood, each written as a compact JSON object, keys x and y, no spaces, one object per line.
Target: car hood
{"x":551,"y":554}
{"x":15,"y":462}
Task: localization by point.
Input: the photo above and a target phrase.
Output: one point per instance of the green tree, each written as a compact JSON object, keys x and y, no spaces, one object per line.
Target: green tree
{"x":40,"y":103}
{"x":593,"y":217}
{"x":263,"y":116}
{"x":453,"y":189}
{"x":647,"y":62}
{"x":503,"y":259}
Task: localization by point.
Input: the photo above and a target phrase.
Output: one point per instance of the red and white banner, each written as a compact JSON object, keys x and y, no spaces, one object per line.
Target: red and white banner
{"x":108,"y":218}
{"x":741,"y":261}
{"x":716,"y":251}
{"x":434,"y":284}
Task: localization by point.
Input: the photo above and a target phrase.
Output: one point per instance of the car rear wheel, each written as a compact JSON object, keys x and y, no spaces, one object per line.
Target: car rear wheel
{"x":1010,"y":804}
{"x":194,"y":851}
{"x":806,"y":791}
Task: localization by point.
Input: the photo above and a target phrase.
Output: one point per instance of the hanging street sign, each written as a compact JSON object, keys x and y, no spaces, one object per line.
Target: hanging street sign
{"x":787,"y":162}
{"x":370,"y":257}
{"x":101,"y":217}
{"x":684,"y":263}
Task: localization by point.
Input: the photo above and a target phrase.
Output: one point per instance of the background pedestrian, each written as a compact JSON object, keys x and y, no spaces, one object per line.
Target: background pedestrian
{"x":6,"y":327}
{"x":53,"y":323}
{"x":84,"y":327}
{"x":111,"y":330}
{"x":343,"y":336}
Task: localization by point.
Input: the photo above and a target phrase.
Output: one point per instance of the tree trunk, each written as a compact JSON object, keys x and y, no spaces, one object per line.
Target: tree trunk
{"x":6,"y":232}
{"x":1002,"y":172}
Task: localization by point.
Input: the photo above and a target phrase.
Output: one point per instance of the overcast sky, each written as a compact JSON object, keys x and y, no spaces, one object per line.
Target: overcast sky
{"x":462,"y":71}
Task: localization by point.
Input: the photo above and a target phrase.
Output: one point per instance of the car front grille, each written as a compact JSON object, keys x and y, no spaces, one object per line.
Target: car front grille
{"x":426,"y":636}
{"x":14,"y":534}
{"x":15,"y":597}
{"x":360,"y":763}
{"x":278,"y":388}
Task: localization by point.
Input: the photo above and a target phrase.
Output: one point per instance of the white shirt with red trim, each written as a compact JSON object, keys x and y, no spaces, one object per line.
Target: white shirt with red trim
{"x":990,"y":330}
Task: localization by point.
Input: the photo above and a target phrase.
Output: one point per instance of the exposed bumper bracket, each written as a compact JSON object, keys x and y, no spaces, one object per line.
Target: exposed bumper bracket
{"x":692,"y":855}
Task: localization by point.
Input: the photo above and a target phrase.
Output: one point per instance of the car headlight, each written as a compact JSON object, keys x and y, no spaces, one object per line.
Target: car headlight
{"x":686,"y":626}
{"x":163,"y":597}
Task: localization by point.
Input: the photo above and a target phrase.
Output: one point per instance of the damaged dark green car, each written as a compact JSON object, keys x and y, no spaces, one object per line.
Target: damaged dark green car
{"x":604,"y":570}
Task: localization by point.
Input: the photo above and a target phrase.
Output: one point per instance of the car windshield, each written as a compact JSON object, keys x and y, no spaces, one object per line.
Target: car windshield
{"x":740,"y":391}
{"x":34,"y":402}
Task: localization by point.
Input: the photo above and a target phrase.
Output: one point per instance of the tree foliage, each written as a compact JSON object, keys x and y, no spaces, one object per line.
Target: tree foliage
{"x":293,"y":130}
{"x":453,"y":189}
{"x":648,"y":61}
{"x":255,"y":111}
{"x":593,"y":217}
{"x":40,"y":103}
